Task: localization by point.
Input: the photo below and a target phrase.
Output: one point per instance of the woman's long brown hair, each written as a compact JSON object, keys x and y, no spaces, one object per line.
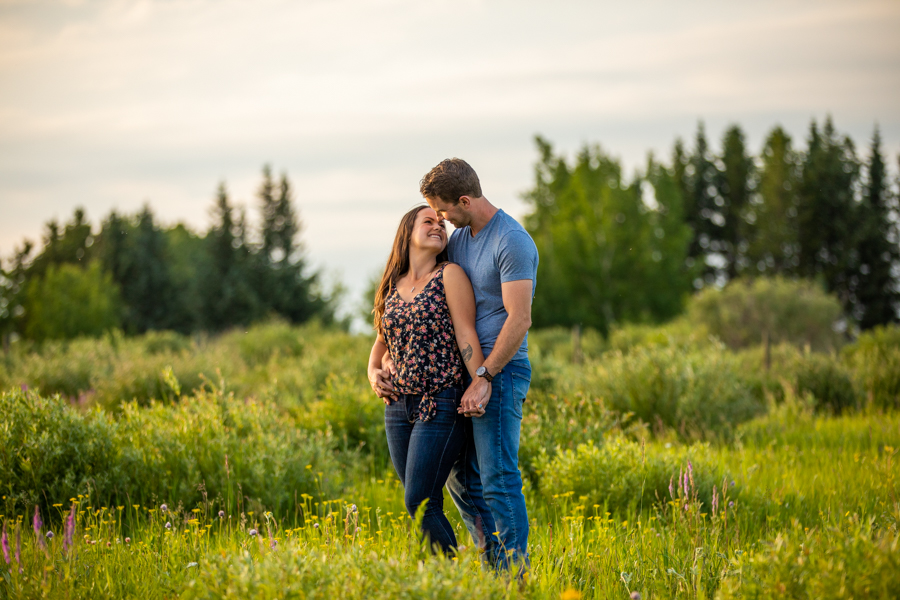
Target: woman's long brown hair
{"x":398,"y":262}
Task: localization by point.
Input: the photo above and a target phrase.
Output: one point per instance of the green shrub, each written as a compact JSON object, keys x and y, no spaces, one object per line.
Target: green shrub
{"x":699,"y":393}
{"x":747,"y":311}
{"x":351,"y":410}
{"x":66,"y":368}
{"x":289,"y":365}
{"x":50,"y":452}
{"x":828,"y":382}
{"x":875,"y":362}
{"x":166,"y":342}
{"x":71,"y":301}
{"x":559,"y":343}
{"x":553,"y":421}
{"x":856,"y":560}
{"x":621,"y":474}
{"x":679,"y":332}
{"x":824,"y":377}
{"x":260,"y":342}
{"x":167,"y":451}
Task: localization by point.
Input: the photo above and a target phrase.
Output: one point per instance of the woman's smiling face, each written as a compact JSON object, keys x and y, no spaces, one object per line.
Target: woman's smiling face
{"x":429,"y":231}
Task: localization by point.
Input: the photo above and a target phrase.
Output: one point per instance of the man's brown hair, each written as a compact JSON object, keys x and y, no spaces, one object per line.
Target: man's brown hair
{"x":450,"y":180}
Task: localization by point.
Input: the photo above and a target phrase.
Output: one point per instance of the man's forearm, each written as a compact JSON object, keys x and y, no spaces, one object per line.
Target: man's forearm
{"x":508,"y":342}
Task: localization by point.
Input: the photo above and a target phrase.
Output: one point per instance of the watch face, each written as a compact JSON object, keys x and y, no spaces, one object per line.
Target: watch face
{"x":481,"y":371}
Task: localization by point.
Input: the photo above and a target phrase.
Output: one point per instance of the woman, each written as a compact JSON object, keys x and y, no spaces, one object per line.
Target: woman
{"x":424,"y":315}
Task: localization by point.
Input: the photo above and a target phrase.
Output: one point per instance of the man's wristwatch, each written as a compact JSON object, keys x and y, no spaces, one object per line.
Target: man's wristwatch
{"x":482,"y":372}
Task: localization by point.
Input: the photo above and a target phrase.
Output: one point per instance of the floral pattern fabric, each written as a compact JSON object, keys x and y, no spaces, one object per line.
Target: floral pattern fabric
{"x":419,"y":335}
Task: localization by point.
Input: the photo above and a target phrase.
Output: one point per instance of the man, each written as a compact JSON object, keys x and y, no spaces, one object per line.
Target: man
{"x":501,"y":260}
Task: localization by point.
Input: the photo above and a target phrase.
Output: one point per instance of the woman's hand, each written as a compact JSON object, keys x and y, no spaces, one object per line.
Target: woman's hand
{"x":380,"y":380}
{"x":380,"y":377}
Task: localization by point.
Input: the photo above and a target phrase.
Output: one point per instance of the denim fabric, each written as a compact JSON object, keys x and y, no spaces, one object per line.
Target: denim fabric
{"x":423,"y":452}
{"x":485,"y":483}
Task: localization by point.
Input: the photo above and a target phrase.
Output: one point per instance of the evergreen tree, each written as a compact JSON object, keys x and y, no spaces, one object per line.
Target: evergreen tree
{"x":142,"y":273}
{"x":702,"y":213}
{"x":877,"y":290}
{"x":13,"y":282}
{"x":188,"y":259}
{"x":670,"y":284}
{"x":229,"y":297}
{"x":289,"y":291}
{"x":280,"y":225}
{"x":734,"y":183}
{"x":71,"y":245}
{"x":827,"y":216}
{"x":773,"y":244}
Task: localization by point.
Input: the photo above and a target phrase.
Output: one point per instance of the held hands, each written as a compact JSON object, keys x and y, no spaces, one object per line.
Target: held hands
{"x":380,"y":380}
{"x":475,"y":400}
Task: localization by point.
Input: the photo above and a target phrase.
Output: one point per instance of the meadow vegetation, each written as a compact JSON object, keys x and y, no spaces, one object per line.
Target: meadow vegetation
{"x":659,"y":461}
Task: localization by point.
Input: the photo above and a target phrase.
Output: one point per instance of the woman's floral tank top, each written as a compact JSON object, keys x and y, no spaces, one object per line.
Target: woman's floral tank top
{"x":420,"y":337}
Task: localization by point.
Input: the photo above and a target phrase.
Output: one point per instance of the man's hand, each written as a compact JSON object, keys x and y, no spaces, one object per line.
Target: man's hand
{"x":380,"y":380}
{"x":387,"y":363}
{"x":475,"y":400}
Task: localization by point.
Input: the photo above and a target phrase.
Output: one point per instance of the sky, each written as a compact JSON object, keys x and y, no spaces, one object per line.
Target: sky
{"x":113,"y":104}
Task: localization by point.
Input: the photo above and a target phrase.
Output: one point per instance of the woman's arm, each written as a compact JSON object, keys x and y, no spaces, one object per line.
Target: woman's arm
{"x":380,"y":379}
{"x":461,"y":302}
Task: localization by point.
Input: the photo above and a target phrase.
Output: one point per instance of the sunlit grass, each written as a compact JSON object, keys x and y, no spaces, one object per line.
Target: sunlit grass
{"x":793,"y":474}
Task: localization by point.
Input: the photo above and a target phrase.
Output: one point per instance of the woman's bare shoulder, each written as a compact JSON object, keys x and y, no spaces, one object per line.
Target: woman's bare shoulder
{"x":454,"y":274}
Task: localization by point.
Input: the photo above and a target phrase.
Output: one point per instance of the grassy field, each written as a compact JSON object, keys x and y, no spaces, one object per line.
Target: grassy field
{"x":658,"y":464}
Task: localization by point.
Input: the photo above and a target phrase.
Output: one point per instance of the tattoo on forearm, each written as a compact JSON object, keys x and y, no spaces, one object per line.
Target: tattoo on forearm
{"x":467,"y":353}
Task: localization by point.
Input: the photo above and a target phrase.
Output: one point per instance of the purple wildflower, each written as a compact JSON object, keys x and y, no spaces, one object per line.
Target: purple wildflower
{"x":731,"y":503}
{"x":163,"y":508}
{"x":685,"y":485}
{"x":38,"y":524}
{"x":353,"y":508}
{"x":18,"y":554}
{"x":4,"y":541}
{"x":273,"y":543}
{"x":635,"y":596}
{"x":252,"y":532}
{"x":221,"y":514}
{"x":315,"y":525}
{"x":49,"y":535}
{"x":70,"y":530}
{"x":168,"y":525}
{"x":671,"y":489}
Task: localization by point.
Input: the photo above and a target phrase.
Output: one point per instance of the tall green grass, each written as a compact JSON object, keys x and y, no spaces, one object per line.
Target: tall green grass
{"x":660,"y":464}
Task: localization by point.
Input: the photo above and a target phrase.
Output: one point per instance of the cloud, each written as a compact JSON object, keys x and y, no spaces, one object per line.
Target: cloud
{"x":111,"y":104}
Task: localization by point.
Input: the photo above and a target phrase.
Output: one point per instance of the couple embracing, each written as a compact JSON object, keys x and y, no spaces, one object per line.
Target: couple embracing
{"x":451,"y":363}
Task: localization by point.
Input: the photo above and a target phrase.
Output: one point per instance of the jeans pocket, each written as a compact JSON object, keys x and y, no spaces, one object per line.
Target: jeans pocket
{"x":520,"y":386}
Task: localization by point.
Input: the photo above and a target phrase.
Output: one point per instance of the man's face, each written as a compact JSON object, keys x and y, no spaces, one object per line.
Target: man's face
{"x":457,"y":214}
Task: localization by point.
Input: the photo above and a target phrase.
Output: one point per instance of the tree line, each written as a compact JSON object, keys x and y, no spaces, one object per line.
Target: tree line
{"x":138,"y":275}
{"x":613,"y":248}
{"x":616,"y":249}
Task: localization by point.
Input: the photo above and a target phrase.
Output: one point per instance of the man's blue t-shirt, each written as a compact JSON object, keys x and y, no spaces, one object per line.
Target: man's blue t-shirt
{"x":501,"y":252}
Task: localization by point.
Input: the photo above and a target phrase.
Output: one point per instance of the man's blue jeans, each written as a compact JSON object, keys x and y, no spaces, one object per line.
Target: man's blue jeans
{"x":423,"y":454}
{"x":486,"y":483}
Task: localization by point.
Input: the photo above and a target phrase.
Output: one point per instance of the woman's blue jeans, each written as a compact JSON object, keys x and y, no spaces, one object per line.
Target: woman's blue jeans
{"x":423,"y":454}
